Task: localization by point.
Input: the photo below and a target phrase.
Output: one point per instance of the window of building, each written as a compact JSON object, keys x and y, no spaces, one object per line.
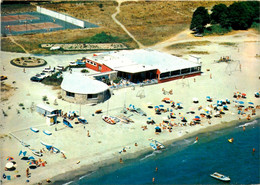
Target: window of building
{"x":165,"y":75}
{"x":70,"y":94}
{"x":194,"y":69}
{"x":92,"y":96}
{"x":185,"y":71}
{"x":175,"y":73}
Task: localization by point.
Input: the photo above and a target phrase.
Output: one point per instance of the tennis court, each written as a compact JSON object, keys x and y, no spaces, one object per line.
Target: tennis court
{"x":10,"y":18}
{"x":34,"y":22}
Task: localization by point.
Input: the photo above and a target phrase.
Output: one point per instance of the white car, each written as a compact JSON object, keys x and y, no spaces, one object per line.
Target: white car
{"x":44,"y":75}
{"x":73,"y":64}
{"x":48,"y":69}
{"x":60,"y":68}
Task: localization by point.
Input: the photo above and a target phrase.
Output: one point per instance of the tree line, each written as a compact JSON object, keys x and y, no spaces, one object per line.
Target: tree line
{"x":238,"y":16}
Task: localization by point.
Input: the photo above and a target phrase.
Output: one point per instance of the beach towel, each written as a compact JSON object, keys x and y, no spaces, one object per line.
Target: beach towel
{"x":20,"y":152}
{"x":8,"y":177}
{"x":24,"y":153}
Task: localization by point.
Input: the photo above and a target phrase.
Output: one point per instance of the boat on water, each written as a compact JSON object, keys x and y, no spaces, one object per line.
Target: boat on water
{"x":231,"y":140}
{"x":110,"y":119}
{"x":156,"y":145}
{"x":220,"y":177}
{"x":48,"y":133}
{"x":34,"y":129}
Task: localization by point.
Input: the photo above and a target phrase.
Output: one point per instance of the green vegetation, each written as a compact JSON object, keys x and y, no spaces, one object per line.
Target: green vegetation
{"x":45,"y":98}
{"x":21,"y":104}
{"x":99,"y":38}
{"x":216,"y":29}
{"x":84,"y":71}
{"x":118,"y":79}
{"x":188,"y":44}
{"x":200,"y":19}
{"x":54,"y":79}
{"x":199,"y":52}
{"x":256,"y":26}
{"x":238,"y":16}
{"x":228,"y":44}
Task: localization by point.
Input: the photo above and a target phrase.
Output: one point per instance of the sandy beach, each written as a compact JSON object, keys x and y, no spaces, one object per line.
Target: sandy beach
{"x":83,"y":153}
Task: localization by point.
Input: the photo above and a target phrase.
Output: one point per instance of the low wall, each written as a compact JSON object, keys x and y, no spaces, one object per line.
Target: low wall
{"x":62,"y":17}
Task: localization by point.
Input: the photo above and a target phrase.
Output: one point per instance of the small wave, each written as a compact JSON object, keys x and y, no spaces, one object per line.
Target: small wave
{"x":67,"y":183}
{"x":85,"y":175}
{"x":249,"y":123}
{"x":150,"y":155}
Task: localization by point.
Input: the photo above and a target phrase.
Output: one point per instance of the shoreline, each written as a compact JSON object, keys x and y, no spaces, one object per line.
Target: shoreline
{"x":86,"y":170}
{"x":101,"y":149}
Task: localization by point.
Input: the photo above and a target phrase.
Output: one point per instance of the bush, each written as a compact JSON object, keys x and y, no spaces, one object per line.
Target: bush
{"x":44,"y":98}
{"x":53,"y":79}
{"x":118,"y":79}
{"x":84,"y":71}
{"x":216,"y":29}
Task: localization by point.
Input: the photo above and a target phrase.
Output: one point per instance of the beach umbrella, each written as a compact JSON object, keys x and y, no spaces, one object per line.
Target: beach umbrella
{"x":156,"y":107}
{"x":241,"y":102}
{"x":179,"y":103}
{"x":30,"y":162}
{"x":197,"y":117}
{"x":161,"y":105}
{"x":166,"y":99}
{"x":31,"y":157}
{"x":9,"y":165}
{"x":251,"y":103}
{"x":195,"y":100}
{"x":9,"y":158}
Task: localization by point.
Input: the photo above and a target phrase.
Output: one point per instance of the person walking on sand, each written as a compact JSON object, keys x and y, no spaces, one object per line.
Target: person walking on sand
{"x":27,"y":172}
{"x":88,"y":134}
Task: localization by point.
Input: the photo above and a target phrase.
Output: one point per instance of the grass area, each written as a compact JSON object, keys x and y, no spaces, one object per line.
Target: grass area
{"x":149,"y":21}
{"x":190,"y":45}
{"x":228,"y":44}
{"x":198,"y":52}
{"x":7,"y":45}
{"x":16,"y":8}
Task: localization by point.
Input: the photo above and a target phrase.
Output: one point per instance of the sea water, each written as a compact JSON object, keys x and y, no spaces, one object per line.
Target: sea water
{"x":186,"y":162}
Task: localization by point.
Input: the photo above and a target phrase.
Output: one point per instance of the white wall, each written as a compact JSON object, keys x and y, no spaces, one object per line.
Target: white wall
{"x":62,"y":17}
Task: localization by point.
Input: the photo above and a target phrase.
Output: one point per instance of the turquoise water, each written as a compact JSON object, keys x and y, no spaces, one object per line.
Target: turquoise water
{"x":186,"y":162}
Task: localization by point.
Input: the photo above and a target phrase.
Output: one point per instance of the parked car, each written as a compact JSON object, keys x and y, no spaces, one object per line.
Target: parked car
{"x":60,"y":68}
{"x":80,"y":62}
{"x":73,"y":64}
{"x":198,"y":35}
{"x":48,"y":69}
{"x":44,"y":75}
{"x":36,"y":79}
{"x":3,"y":77}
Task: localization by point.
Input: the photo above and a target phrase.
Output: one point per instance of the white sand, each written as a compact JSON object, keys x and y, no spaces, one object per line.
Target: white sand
{"x":107,"y":140}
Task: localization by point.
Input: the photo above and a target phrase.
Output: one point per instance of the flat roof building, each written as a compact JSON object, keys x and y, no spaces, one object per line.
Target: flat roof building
{"x":142,"y":64}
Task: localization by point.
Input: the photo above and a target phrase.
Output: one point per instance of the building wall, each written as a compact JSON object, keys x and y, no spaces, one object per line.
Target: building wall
{"x":83,"y":98}
{"x":105,"y":68}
